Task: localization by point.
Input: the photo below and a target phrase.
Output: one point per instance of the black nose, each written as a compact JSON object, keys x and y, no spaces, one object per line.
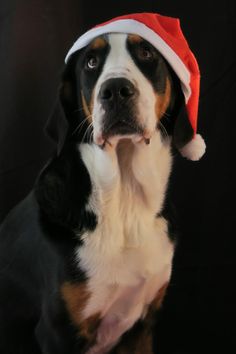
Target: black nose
{"x":116,"y":91}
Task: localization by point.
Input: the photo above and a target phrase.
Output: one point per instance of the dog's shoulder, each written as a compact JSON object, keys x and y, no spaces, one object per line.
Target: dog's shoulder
{"x":62,"y":190}
{"x":19,"y":224}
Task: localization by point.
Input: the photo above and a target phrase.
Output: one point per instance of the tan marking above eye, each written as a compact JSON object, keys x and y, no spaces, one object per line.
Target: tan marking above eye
{"x":97,"y":43}
{"x":134,"y":38}
{"x":163,"y":100}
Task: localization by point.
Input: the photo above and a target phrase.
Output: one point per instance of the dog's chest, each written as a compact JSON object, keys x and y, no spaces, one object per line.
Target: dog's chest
{"x":128,"y":257}
{"x":122,"y":284}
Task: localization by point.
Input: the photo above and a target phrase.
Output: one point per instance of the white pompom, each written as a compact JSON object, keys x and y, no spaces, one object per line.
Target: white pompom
{"x":195,"y":149}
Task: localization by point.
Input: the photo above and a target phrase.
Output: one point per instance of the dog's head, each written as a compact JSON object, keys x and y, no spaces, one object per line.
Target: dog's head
{"x":119,"y":85}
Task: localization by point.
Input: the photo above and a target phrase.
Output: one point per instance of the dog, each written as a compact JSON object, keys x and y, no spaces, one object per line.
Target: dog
{"x":86,"y":258}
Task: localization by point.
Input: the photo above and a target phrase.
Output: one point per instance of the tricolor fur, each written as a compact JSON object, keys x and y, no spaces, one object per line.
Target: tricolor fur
{"x":97,"y":238}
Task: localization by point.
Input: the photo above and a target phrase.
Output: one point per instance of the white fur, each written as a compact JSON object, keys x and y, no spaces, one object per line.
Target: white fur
{"x":195,"y":149}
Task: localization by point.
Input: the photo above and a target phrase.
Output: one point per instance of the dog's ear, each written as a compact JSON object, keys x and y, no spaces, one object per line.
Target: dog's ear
{"x":183,"y":131}
{"x":175,"y":120}
{"x":65,"y":107}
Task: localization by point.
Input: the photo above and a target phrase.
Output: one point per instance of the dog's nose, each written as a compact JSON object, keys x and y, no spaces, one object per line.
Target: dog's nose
{"x":116,"y":91}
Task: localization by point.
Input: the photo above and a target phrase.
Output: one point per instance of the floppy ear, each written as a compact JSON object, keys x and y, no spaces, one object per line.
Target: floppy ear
{"x":183,"y":131}
{"x":176,"y":120}
{"x":65,"y":108}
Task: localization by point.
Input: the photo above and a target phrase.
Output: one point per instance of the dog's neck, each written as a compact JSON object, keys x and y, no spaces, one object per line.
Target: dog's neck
{"x":140,"y":165}
{"x":129,"y":179}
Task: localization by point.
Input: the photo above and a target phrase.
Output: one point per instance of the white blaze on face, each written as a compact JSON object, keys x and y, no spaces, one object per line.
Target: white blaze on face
{"x":119,"y":64}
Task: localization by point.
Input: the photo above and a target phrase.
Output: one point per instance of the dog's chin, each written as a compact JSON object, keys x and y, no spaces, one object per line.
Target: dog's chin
{"x":112,"y":141}
{"x":121,"y":131}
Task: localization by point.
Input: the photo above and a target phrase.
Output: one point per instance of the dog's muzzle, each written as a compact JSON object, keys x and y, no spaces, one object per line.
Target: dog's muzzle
{"x":118,"y":98}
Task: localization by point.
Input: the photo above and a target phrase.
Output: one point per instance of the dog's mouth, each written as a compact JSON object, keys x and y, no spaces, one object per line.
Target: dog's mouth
{"x":122,"y":127}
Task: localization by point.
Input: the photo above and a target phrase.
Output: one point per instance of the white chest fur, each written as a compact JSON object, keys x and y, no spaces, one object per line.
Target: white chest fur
{"x":128,"y":257}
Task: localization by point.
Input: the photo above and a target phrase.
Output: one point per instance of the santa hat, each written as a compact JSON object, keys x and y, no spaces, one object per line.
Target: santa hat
{"x":165,"y":34}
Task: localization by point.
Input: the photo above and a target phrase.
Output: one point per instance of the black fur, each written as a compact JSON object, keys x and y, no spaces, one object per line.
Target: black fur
{"x":63,"y":189}
{"x":31,"y":271}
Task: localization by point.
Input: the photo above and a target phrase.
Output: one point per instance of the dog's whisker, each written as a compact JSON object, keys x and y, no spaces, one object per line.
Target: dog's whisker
{"x":90,"y":126}
{"x":80,"y":126}
{"x":91,"y":137}
{"x":86,"y":131}
{"x":166,"y":115}
{"x":163,"y":129}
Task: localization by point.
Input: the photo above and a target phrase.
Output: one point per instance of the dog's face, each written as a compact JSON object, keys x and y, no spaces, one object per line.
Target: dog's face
{"x":124,"y":84}
{"x":121,"y":86}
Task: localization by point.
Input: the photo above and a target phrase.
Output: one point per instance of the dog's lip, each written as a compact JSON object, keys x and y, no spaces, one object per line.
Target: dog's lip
{"x":128,"y":126}
{"x":137,"y":136}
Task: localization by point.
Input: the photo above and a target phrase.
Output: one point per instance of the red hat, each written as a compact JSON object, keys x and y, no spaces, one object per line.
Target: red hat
{"x":165,"y":34}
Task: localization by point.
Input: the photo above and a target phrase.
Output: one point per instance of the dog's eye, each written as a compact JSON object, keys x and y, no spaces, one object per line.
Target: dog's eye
{"x":145,"y":53}
{"x":92,"y":62}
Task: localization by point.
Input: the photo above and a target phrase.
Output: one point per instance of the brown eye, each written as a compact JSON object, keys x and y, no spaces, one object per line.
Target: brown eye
{"x":145,"y":54}
{"x":92,"y":63}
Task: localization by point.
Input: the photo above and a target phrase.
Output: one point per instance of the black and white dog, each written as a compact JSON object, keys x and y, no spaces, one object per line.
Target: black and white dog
{"x":85,"y":259}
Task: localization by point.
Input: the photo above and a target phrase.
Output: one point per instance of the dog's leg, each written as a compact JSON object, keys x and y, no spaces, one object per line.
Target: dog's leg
{"x":139,"y":339}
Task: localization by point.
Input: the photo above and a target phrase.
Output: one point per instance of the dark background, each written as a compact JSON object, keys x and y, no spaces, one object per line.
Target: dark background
{"x":199,"y":314}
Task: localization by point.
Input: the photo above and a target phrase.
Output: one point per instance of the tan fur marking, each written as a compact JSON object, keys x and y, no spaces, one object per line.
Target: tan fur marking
{"x":98,"y":43}
{"x":157,"y":302}
{"x":91,"y":104}
{"x":134,"y":38}
{"x":86,"y":109}
{"x":88,"y":328}
{"x":76,"y":297}
{"x":162,"y":101}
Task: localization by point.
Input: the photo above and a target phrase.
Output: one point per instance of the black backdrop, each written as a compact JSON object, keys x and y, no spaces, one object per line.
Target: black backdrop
{"x":199,"y":314}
